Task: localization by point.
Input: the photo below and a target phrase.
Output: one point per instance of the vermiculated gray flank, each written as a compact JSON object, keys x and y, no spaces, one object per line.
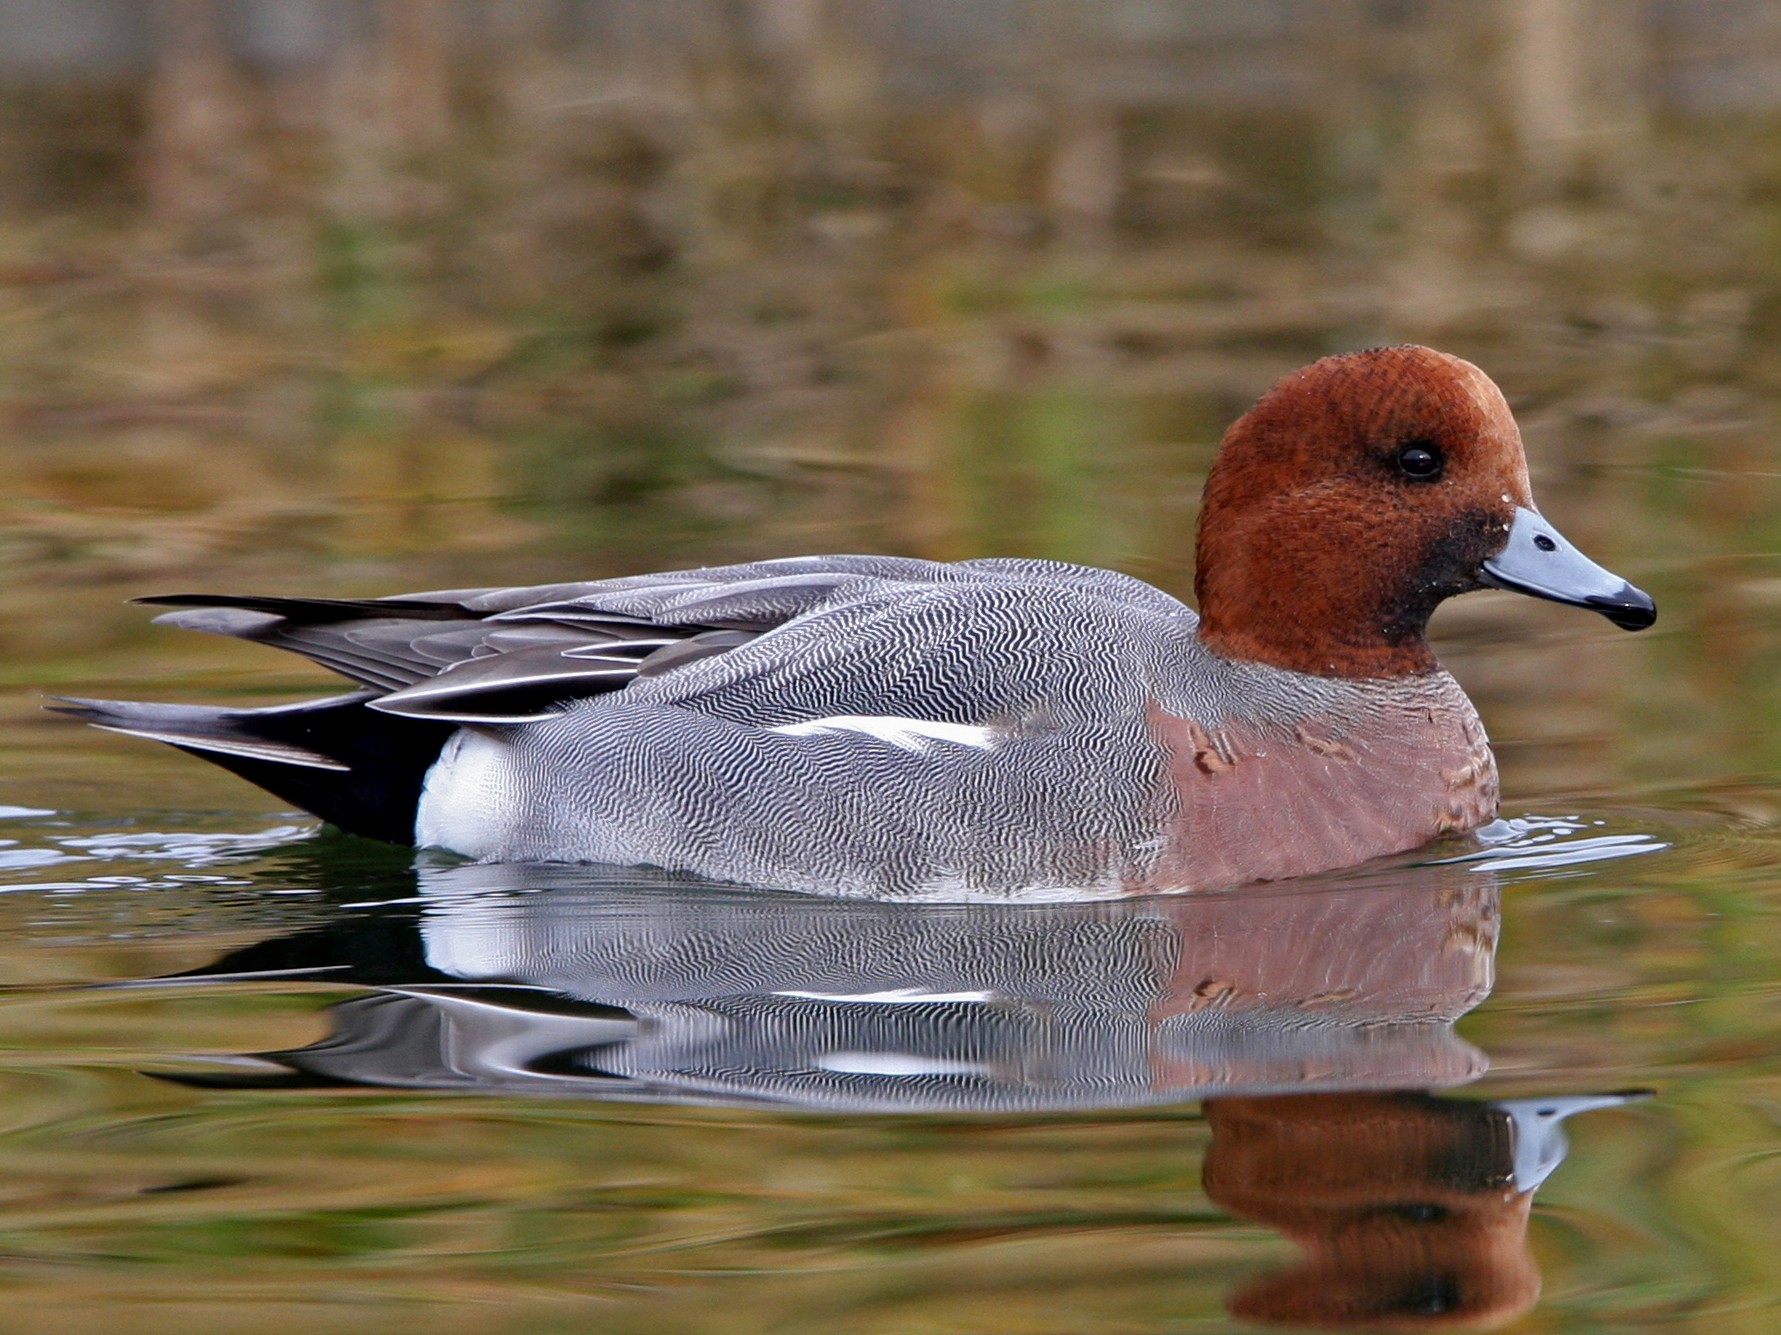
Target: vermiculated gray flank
{"x":842,"y":724}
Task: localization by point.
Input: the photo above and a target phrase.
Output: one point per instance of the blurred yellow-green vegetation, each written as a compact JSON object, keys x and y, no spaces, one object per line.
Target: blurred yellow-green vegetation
{"x":358,"y":297}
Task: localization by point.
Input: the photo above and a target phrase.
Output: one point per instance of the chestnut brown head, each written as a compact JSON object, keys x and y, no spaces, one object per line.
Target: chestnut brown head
{"x":1358,"y":494}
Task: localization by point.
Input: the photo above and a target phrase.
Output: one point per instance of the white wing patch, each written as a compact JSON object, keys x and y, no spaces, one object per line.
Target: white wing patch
{"x":897,"y":1063}
{"x":896,"y":996}
{"x":910,"y":734}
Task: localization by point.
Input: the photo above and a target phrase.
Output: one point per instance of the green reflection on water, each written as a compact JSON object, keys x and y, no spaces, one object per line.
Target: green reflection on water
{"x":1655,"y":971}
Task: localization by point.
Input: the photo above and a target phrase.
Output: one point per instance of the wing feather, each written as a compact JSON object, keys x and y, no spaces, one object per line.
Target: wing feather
{"x":493,"y":654}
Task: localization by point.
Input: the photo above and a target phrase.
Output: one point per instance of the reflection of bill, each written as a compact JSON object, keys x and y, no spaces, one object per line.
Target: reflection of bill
{"x":1409,"y":1210}
{"x":1284,"y":1009}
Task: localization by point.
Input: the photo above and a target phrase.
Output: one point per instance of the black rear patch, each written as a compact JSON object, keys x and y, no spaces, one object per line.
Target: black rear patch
{"x":386,"y":757}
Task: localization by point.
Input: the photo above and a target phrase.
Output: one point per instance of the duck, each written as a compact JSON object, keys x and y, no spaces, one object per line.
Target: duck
{"x":886,"y":726}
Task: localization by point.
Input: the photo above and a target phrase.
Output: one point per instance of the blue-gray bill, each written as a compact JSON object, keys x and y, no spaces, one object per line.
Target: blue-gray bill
{"x":1537,"y":560}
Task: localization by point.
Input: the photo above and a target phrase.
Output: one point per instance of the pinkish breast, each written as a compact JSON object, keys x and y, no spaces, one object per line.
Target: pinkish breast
{"x":1389,"y":766}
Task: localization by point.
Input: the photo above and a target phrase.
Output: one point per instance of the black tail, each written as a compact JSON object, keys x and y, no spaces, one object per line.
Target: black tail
{"x":355,"y":767}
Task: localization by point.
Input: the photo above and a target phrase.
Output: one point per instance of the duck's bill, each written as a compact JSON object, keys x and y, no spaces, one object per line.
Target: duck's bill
{"x":1537,"y":560}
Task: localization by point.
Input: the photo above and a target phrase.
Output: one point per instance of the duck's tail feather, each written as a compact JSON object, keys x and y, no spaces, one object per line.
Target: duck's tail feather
{"x":358,"y":768}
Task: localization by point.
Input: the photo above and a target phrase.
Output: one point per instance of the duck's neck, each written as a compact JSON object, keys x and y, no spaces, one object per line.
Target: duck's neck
{"x":1320,"y":650}
{"x":1267,"y":594}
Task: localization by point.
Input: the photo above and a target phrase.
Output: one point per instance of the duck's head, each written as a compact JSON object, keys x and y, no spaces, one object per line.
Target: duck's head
{"x":1360,"y":492}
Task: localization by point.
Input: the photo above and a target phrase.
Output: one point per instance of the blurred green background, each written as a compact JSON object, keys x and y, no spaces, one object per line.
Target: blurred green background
{"x":363,"y":296}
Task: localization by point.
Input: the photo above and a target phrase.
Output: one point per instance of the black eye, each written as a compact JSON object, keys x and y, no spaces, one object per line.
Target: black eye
{"x":1420,"y":461}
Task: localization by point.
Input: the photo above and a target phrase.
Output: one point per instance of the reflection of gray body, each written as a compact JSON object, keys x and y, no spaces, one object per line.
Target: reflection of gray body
{"x":692,"y":993}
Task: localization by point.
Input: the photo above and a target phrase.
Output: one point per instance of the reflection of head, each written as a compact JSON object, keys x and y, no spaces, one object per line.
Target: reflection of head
{"x":1406,"y":1208}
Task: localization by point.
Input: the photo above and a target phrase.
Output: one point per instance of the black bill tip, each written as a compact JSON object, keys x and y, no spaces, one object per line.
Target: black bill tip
{"x":1627,"y":607}
{"x":1537,"y":560}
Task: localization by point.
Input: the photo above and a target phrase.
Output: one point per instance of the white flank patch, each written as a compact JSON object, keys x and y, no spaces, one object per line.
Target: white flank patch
{"x":895,"y":1063}
{"x":910,"y":734}
{"x":462,"y":793}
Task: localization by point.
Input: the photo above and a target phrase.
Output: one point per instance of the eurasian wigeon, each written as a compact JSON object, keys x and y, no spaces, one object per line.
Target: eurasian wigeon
{"x":871,"y":725}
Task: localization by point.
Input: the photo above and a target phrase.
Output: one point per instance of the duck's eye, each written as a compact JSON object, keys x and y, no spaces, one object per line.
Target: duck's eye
{"x":1420,"y":462}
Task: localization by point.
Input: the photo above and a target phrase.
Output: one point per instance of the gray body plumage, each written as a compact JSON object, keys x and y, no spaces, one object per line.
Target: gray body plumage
{"x":684,"y":769}
{"x":1057,"y":664}
{"x":846,"y":725}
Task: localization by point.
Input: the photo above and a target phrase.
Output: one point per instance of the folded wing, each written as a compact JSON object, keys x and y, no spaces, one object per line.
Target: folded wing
{"x":515,"y":655}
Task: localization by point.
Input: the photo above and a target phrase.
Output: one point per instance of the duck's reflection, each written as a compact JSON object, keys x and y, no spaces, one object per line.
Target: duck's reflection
{"x":1409,"y":1210}
{"x":543,"y":978}
{"x":1284,"y":1011}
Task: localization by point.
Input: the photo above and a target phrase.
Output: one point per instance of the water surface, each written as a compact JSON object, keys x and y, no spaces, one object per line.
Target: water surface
{"x":256,"y":1076}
